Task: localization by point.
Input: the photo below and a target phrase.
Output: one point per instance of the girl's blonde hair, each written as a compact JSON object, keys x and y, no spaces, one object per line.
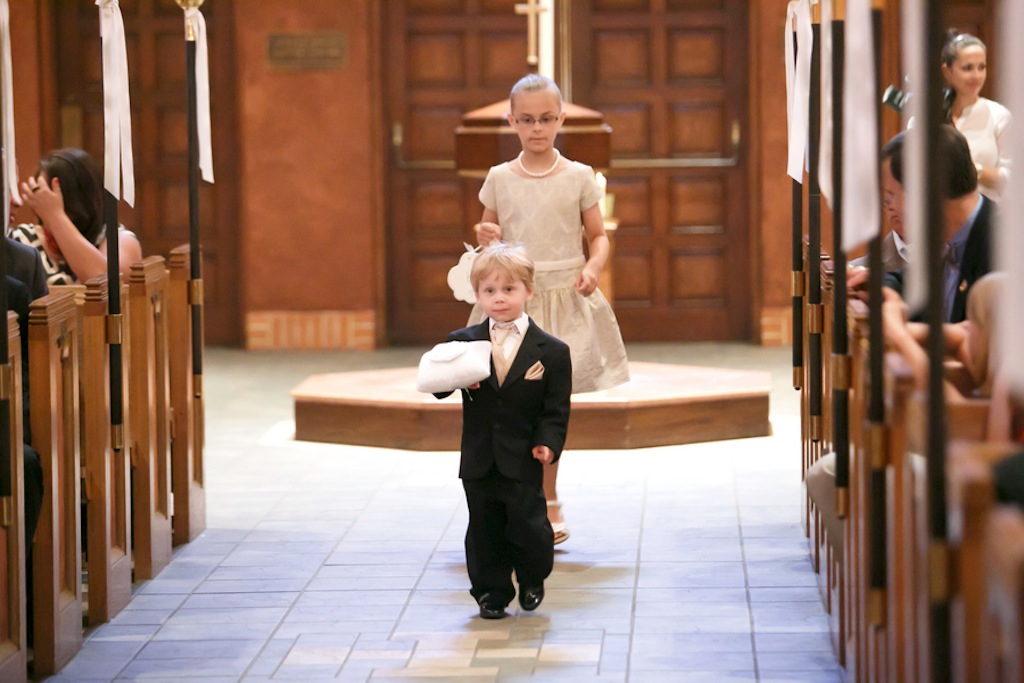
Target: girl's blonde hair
{"x":982,"y":310}
{"x":507,"y":259}
{"x":533,"y":83}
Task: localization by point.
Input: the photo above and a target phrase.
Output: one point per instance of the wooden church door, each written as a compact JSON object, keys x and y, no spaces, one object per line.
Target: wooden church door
{"x":671,"y":79}
{"x":154,"y":31}
{"x":442,"y":59}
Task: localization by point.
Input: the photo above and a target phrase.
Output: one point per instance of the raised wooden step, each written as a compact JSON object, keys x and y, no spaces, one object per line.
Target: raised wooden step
{"x":661,"y":405}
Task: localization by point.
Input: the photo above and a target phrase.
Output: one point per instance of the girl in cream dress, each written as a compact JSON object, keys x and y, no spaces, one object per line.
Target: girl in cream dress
{"x":549,"y":204}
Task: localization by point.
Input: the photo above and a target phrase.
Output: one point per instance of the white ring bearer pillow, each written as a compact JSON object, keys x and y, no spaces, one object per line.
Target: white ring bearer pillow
{"x":454,"y":365}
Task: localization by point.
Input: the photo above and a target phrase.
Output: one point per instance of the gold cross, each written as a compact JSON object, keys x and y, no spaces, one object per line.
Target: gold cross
{"x":532,"y":10}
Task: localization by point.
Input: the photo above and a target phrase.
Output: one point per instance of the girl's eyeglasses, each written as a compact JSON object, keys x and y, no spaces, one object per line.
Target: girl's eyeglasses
{"x":529,"y":120}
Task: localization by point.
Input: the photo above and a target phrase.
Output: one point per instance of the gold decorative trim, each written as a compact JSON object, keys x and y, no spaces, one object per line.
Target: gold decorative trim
{"x":877,"y":445}
{"x":876,"y":606}
{"x":115,"y":328}
{"x":938,"y":572}
{"x":195,"y":292}
{"x":815,"y":427}
{"x":840,"y":370}
{"x":6,"y":381}
{"x":815,"y":318}
{"x":796,"y":284}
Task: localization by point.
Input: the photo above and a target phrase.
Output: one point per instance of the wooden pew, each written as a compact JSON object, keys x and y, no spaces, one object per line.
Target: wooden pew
{"x":106,"y":490}
{"x":908,"y":530}
{"x":828,"y":311}
{"x":13,"y":634}
{"x":149,"y":416}
{"x":971,"y":499}
{"x":187,"y":437}
{"x":859,"y":635}
{"x":1003,"y":623}
{"x":826,"y":528}
{"x":54,"y":408}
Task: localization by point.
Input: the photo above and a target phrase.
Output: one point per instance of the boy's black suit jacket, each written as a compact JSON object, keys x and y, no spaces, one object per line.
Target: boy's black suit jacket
{"x":501,"y":425}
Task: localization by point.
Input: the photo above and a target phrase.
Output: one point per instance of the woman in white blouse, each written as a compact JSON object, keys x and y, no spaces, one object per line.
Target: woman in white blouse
{"x":982,"y":121}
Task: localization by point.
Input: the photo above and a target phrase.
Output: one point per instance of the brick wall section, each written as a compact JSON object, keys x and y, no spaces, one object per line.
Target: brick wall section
{"x":776,"y":326}
{"x":266,"y":330}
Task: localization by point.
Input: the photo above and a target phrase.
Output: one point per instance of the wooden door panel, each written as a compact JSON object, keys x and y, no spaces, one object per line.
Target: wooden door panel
{"x":631,"y":127}
{"x":698,"y":205}
{"x":695,"y":54}
{"x":696,"y":129}
{"x":156,"y":62}
{"x":442,"y":59}
{"x":698,"y":276}
{"x":621,"y":59}
{"x":671,"y":78}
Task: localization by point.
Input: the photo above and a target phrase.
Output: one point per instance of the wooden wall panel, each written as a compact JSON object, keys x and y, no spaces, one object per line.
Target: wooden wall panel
{"x":698,"y":203}
{"x":621,"y":58}
{"x":633,"y":285}
{"x":698,"y":276}
{"x":631,"y":126}
{"x":436,"y":59}
{"x":695,"y":54}
{"x":696,"y":129}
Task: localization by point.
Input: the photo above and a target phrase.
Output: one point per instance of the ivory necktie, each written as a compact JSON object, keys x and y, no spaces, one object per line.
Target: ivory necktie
{"x":499,"y":333}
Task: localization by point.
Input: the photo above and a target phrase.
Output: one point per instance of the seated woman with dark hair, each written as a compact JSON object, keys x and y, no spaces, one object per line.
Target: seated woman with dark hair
{"x":66,"y":194}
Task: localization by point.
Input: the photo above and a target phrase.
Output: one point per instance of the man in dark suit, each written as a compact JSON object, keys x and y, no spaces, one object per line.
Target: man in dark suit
{"x":26,"y":282}
{"x":24,"y":264}
{"x":512,"y":422}
{"x":967,"y":229}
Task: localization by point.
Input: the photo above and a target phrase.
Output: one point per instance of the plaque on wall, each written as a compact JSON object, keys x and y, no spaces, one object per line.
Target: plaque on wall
{"x":321,"y":50}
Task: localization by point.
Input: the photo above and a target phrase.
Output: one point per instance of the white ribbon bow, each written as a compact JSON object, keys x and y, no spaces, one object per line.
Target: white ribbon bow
{"x":7,"y":112}
{"x":798,"y":80}
{"x":861,"y":205}
{"x":825,"y":135}
{"x":117,"y":110}
{"x":193,"y":15}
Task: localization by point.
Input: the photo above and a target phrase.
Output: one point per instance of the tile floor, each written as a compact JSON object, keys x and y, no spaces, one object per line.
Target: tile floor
{"x":341,"y":563}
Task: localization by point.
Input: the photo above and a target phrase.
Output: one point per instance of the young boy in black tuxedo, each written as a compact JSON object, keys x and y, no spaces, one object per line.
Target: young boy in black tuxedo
{"x":512,"y":422}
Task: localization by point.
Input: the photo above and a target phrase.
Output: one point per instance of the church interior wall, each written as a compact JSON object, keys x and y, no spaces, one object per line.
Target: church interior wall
{"x":309,"y":170}
{"x":312,"y":162}
{"x":32,"y":94}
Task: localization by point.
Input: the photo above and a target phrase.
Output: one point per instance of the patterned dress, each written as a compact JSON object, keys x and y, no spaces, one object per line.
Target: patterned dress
{"x":543,"y":215}
{"x":57,"y":270}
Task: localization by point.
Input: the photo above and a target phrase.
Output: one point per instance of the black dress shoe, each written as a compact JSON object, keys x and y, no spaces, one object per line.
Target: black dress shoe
{"x":531,"y":597}
{"x":490,"y":609}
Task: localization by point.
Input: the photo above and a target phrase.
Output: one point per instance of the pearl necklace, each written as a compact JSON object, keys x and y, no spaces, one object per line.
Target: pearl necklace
{"x":558,"y":157}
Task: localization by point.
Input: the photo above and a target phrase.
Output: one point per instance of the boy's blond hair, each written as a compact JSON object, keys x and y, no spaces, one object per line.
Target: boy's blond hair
{"x":507,"y":259}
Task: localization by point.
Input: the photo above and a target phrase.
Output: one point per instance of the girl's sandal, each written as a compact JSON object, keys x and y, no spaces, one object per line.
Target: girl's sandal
{"x":561,"y":529}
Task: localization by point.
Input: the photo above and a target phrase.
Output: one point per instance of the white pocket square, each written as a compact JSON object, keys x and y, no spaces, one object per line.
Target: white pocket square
{"x":536,"y":371}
